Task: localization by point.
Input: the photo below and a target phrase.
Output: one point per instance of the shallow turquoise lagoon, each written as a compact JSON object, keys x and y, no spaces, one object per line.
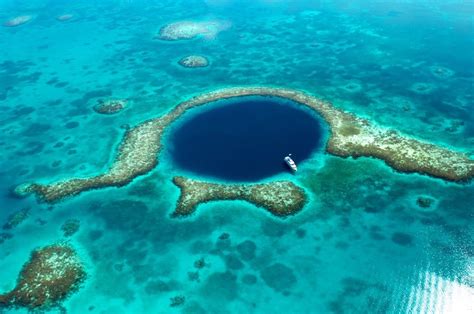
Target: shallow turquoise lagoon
{"x":363,"y":244}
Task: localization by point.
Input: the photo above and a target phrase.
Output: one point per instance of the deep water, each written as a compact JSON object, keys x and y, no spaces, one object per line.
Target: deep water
{"x":245,"y":139}
{"x":363,"y":243}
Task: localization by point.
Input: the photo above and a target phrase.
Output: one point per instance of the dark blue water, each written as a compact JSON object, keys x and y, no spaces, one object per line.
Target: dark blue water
{"x":366,"y":57}
{"x":245,"y":140}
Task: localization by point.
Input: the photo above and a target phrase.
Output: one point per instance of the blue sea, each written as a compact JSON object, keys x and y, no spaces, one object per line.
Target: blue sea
{"x":244,"y":139}
{"x":362,"y":244}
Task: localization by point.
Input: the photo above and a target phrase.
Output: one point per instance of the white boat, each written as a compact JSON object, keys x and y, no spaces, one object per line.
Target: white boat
{"x":290,"y":163}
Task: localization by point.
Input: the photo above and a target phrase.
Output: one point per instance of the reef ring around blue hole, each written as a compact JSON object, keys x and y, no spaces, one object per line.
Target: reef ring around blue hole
{"x":244,"y":139}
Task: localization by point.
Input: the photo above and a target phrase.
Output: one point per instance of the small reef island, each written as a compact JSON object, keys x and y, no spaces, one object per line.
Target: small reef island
{"x":185,"y":30}
{"x":110,"y":106}
{"x":64,"y":17}
{"x":52,"y":273}
{"x":194,"y":61}
{"x":17,"y":21}
{"x":350,"y":136}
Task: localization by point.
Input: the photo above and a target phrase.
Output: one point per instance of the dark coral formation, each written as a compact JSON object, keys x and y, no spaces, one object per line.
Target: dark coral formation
{"x":402,"y":238}
{"x":441,"y":72}
{"x":424,"y":202}
{"x":350,"y":136}
{"x":5,"y":236}
{"x":422,"y":88}
{"x":177,"y":301}
{"x":16,"y":218}
{"x":194,"y":61}
{"x":51,"y":274}
{"x":200,"y":263}
{"x":278,"y":276}
{"x":110,"y":106}
{"x":70,"y":227}
{"x":357,"y":294}
{"x":247,"y":250}
{"x":281,"y":198}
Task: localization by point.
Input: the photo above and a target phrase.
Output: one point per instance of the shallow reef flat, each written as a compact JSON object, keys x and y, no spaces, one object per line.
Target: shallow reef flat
{"x":350,"y":136}
{"x":50,"y":275}
{"x":281,"y":198}
{"x":183,"y":30}
{"x":17,"y":21}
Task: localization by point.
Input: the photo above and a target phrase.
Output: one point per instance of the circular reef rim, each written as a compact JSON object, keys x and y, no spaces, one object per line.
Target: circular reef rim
{"x":349,"y":136}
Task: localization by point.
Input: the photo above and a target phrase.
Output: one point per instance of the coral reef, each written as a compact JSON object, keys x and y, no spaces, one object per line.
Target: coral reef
{"x":177,"y":300}
{"x":281,"y":198}
{"x":51,"y":274}
{"x":350,"y":136}
{"x":16,"y":218}
{"x":70,"y":227}
{"x":352,"y":87}
{"x":402,"y":239}
{"x":422,"y":88}
{"x":194,"y":61}
{"x":64,"y":17}
{"x":441,"y":72}
{"x":190,"y":29}
{"x":110,"y":106}
{"x":221,"y":286}
{"x":278,"y":276}
{"x":5,"y":236}
{"x":224,"y":236}
{"x":247,"y":250}
{"x":424,"y":201}
{"x":200,"y":263}
{"x":22,"y":190}
{"x":17,"y":21}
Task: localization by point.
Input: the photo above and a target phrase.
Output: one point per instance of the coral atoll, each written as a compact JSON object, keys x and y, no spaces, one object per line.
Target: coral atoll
{"x":194,"y":61}
{"x":350,"y":136}
{"x":110,"y":106}
{"x":281,"y":198}
{"x":51,"y":274}
{"x":191,"y":29}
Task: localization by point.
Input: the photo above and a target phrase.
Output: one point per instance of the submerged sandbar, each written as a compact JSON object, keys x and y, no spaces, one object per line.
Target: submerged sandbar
{"x":350,"y":136}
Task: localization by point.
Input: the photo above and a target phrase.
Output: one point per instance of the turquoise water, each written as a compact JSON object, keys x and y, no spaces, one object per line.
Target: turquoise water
{"x":362,"y":244}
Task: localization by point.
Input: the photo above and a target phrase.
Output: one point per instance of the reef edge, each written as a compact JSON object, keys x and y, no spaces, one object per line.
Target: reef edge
{"x":350,"y":136}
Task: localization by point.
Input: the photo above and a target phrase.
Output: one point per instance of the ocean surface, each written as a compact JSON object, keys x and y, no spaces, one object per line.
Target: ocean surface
{"x":361,"y":245}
